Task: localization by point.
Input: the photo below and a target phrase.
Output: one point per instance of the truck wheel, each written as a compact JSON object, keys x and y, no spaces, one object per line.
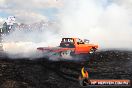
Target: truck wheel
{"x":65,"y":54}
{"x":92,"y":50}
{"x":72,"y":53}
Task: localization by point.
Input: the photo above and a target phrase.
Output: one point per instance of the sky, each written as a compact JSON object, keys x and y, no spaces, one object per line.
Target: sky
{"x":30,"y":10}
{"x":35,"y":10}
{"x":38,"y":9}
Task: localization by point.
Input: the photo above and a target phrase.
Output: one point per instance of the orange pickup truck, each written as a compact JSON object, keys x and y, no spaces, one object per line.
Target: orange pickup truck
{"x":79,"y":46}
{"x":71,"y":47}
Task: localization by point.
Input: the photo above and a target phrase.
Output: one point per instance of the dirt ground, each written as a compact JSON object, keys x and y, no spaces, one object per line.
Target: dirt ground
{"x":41,"y":73}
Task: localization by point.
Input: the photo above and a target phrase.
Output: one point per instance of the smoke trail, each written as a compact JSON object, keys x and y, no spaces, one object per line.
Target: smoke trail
{"x":105,"y":22}
{"x":23,"y":42}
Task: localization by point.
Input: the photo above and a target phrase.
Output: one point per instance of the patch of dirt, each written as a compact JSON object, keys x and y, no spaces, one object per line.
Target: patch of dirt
{"x":40,"y":73}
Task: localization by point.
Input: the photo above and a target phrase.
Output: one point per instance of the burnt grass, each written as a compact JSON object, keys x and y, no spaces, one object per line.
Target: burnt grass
{"x":42,"y":73}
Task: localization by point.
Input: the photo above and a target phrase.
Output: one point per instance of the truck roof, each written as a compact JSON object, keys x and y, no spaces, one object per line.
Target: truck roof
{"x":69,"y":38}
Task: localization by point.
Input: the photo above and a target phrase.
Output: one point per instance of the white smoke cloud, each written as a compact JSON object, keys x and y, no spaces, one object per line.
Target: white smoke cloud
{"x":108,"y":23}
{"x":24,"y":42}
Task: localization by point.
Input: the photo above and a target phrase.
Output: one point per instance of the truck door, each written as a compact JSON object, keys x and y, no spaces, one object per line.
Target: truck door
{"x":81,"y":47}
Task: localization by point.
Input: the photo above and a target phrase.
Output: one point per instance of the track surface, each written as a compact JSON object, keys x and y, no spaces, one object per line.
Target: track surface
{"x":40,"y":73}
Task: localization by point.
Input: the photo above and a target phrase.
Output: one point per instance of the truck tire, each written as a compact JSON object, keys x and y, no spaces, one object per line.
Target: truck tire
{"x":92,"y":50}
{"x":65,"y":54}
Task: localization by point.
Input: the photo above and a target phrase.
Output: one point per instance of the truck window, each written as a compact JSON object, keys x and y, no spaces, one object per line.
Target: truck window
{"x":67,"y":43}
{"x":68,"y":40}
{"x":79,"y":41}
